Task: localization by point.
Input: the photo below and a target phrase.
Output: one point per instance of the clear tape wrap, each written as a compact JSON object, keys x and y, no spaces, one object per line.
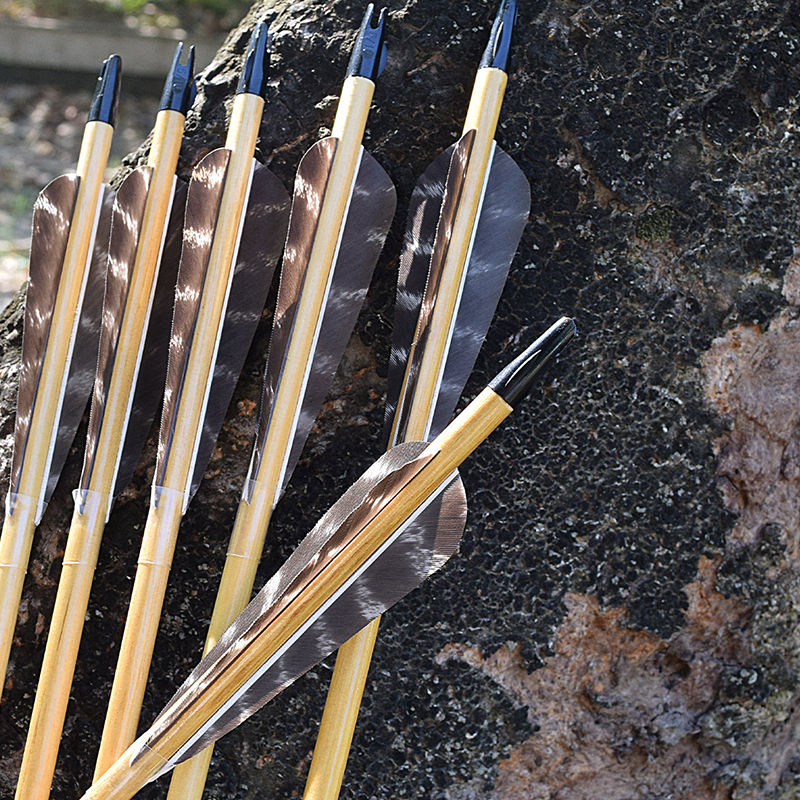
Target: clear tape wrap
{"x":166,"y":504}
{"x":21,"y":510}
{"x":88,"y":521}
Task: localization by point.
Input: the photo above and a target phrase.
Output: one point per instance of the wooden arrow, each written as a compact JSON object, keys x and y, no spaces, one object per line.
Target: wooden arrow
{"x":465,"y":220}
{"x":60,"y":339}
{"x":369,"y":550}
{"x":235,"y":224}
{"x":122,"y":409}
{"x":342,"y":208}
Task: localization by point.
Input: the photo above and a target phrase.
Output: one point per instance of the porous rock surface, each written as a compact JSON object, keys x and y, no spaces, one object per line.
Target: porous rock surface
{"x":622,"y":619}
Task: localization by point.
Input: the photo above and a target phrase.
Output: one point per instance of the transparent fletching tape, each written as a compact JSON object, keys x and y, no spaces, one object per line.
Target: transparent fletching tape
{"x":90,"y":504}
{"x":166,"y":510}
{"x":135,"y":751}
{"x":15,"y":549}
{"x":161,"y":494}
{"x":91,"y":512}
{"x":20,"y":504}
{"x":253,"y":487}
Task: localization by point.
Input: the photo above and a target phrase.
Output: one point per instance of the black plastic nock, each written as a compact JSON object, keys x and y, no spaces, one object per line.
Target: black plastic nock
{"x":106,"y":93}
{"x":514,"y":382}
{"x":255,"y":71}
{"x":496,"y":52}
{"x":369,"y":52}
{"x":179,"y":87}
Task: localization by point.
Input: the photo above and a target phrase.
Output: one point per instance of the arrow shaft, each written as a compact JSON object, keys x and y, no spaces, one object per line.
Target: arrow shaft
{"x":255,"y":509}
{"x":187,"y":425}
{"x":141,"y":628}
{"x":91,"y":165}
{"x":339,"y":717}
{"x":234,"y":593}
{"x":353,"y":659}
{"x":482,"y":116}
{"x":15,"y":550}
{"x":348,"y":129}
{"x":172,"y":491}
{"x":61,"y":652}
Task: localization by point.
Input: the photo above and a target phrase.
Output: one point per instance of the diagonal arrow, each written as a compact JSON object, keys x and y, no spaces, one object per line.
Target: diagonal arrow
{"x":370,"y":549}
{"x":465,"y":220}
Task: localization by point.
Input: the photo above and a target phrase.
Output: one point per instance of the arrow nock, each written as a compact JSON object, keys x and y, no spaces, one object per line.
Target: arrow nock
{"x":106,"y":92}
{"x":496,"y":52}
{"x":255,"y":71}
{"x":369,"y":52}
{"x":179,"y":87}
{"x":514,"y":382}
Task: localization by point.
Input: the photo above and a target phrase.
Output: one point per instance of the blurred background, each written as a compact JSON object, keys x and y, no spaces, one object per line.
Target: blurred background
{"x":50,"y":53}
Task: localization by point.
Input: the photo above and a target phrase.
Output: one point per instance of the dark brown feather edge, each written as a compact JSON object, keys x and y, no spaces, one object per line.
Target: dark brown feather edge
{"x":310,"y":185}
{"x":152,"y":374}
{"x":87,"y":341}
{"x":202,"y":207}
{"x":499,"y":225}
{"x":501,"y":221}
{"x":262,"y":239}
{"x":52,"y":218}
{"x":126,"y":220}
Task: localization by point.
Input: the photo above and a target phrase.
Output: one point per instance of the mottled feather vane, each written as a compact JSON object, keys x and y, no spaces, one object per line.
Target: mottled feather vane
{"x":51,"y":222}
{"x":149,"y":390}
{"x":52,"y":215}
{"x":126,"y":219}
{"x":433,"y":237}
{"x":202,"y":207}
{"x":421,"y":546}
{"x":127,"y":216}
{"x":498,"y":228}
{"x":263,"y":232}
{"x":502,"y":219}
{"x":369,"y":216}
{"x":262,"y":237}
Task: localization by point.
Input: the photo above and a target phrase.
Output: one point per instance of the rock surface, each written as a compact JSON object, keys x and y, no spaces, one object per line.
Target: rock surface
{"x":622,"y":620}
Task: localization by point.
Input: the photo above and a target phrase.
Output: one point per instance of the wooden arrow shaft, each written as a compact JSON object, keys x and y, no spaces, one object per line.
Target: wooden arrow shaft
{"x":141,"y":627}
{"x":353,"y":659}
{"x":15,"y":551}
{"x":252,"y":519}
{"x":91,"y":166}
{"x":446,"y":452}
{"x":61,"y":652}
{"x":235,"y":590}
{"x":18,"y":527}
{"x":341,"y":713}
{"x":348,"y":129}
{"x":483,"y":113}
